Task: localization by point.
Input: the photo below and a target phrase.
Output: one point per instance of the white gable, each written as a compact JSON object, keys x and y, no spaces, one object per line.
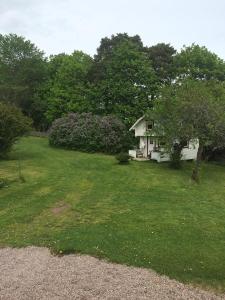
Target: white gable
{"x":139,"y":127}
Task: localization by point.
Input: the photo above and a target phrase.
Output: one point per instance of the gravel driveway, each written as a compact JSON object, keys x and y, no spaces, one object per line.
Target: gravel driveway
{"x":33,"y":273}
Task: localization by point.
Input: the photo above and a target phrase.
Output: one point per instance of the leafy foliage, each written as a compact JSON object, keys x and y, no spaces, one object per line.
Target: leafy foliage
{"x":23,"y":70}
{"x":13,"y":124}
{"x":68,"y":84}
{"x":123,"y":157}
{"x":175,"y":156}
{"x":88,"y":132}
{"x":162,"y":58}
{"x":190,"y":111}
{"x":199,"y":63}
{"x":123,"y":80}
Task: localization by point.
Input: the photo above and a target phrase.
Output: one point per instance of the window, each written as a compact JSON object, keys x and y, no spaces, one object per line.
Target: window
{"x":185,"y":144}
{"x":151,"y":142}
{"x":149,"y":126}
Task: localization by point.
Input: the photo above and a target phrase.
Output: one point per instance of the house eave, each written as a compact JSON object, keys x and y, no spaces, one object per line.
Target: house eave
{"x":135,"y":124}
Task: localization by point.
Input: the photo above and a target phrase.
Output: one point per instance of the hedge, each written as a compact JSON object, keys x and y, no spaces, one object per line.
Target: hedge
{"x":90,"y":133}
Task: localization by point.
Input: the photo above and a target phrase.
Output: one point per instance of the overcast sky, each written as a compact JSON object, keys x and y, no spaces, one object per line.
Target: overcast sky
{"x":65,"y":25}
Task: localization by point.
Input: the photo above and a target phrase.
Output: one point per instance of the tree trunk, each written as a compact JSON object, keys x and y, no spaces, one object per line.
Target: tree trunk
{"x":195,"y":173}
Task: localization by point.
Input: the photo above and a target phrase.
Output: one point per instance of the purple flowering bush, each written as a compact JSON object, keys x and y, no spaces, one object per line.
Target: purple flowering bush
{"x":90,"y":133}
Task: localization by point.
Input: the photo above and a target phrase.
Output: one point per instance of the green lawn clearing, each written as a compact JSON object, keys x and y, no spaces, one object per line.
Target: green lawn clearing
{"x":142,"y":214}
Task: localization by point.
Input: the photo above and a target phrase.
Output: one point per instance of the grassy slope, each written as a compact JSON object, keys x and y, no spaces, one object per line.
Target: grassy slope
{"x":142,"y":214}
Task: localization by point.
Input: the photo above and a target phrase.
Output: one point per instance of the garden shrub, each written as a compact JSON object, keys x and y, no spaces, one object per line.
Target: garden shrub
{"x":3,"y":182}
{"x":90,"y":133}
{"x":175,"y":157}
{"x":123,"y":157}
{"x":13,"y":124}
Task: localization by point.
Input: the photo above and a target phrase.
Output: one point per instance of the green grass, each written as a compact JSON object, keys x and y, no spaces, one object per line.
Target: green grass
{"x":142,"y":214}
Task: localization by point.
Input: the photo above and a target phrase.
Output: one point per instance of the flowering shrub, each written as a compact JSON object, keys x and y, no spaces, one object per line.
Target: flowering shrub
{"x":91,"y":133}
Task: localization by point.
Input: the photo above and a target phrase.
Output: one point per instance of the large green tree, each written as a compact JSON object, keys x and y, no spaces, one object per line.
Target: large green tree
{"x":123,"y":79}
{"x":193,"y":110}
{"x":162,"y":58}
{"x":67,"y":88}
{"x":198,"y":62}
{"x":105,"y":52}
{"x":22,"y":71}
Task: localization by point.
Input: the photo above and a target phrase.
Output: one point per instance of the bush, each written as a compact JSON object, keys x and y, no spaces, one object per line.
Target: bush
{"x":211,"y":153}
{"x":3,"y":183}
{"x":175,"y":157}
{"x":175,"y":161}
{"x":123,"y":158}
{"x":13,"y":124}
{"x":90,"y":133}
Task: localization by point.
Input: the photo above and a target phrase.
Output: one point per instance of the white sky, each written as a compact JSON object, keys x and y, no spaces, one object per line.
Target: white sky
{"x":65,"y":25}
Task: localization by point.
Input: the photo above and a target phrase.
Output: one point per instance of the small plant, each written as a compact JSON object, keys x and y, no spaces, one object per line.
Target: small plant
{"x":3,"y":183}
{"x":21,"y":177}
{"x":123,"y":158}
{"x":175,"y":160}
{"x":175,"y":157}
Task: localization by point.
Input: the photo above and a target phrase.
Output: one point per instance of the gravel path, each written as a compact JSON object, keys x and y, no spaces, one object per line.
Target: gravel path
{"x":33,"y":273}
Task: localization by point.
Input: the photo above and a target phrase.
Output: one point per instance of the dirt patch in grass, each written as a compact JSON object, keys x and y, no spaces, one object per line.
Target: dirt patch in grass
{"x":60,"y":208}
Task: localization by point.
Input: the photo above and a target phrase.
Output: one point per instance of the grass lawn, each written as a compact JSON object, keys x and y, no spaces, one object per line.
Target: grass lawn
{"x":142,"y":214}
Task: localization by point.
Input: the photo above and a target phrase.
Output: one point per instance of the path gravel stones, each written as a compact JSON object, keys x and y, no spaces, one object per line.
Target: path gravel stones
{"x":33,"y":273}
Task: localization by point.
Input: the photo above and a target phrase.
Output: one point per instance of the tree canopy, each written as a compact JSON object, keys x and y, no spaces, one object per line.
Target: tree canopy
{"x":22,"y":71}
{"x":68,"y":84}
{"x":162,"y":59}
{"x":199,"y":63}
{"x":123,"y":79}
{"x":189,"y":111}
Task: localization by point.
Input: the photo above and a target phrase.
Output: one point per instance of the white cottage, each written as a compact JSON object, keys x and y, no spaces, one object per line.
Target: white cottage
{"x":151,"y":146}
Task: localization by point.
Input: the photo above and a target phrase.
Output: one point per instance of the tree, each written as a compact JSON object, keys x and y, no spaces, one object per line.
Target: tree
{"x":13,"y":124}
{"x":67,"y":88}
{"x":162,"y":58}
{"x":199,"y":63}
{"x":123,"y":80}
{"x":192,"y":110}
{"x":105,"y":53}
{"x":22,"y":71}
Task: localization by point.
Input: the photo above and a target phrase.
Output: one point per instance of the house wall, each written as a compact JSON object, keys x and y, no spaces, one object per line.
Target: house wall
{"x":140,"y":128}
{"x":191,"y":151}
